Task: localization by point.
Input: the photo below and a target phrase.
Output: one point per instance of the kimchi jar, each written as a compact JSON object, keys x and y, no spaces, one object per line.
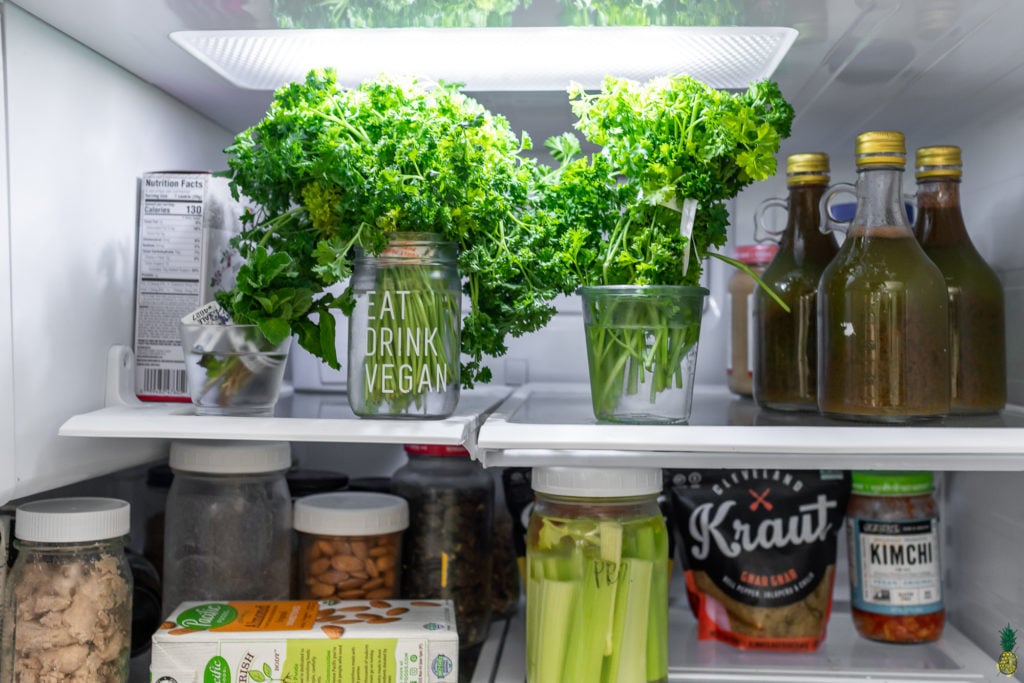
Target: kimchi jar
{"x":895,"y":574}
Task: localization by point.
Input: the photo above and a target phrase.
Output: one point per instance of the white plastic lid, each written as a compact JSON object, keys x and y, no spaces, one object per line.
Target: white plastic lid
{"x":596,"y":482}
{"x":72,"y":520}
{"x":351,"y":513}
{"x":230,"y":457}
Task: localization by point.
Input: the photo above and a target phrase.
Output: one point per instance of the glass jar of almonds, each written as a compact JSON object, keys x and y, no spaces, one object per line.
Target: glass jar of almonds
{"x":349,"y":545}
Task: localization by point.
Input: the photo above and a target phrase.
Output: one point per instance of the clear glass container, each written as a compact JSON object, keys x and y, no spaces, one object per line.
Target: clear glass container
{"x":350,"y":545}
{"x":597,"y":577}
{"x":68,"y":598}
{"x":404,"y":332}
{"x":227,"y":527}
{"x":977,"y":323}
{"x":741,"y":342}
{"x":883,"y":321}
{"x":642,"y":351}
{"x":447,"y":551}
{"x":892,"y":530}
{"x":233,"y":369}
{"x":786,"y":343}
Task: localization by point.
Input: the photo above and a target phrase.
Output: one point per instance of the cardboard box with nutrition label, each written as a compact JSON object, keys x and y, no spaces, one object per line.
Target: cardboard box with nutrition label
{"x":307,"y":641}
{"x":186,"y":222}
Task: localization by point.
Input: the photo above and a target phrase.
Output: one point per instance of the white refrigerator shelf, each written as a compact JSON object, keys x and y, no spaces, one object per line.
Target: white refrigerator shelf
{"x":318,"y":417}
{"x":844,"y":657}
{"x":552,"y":424}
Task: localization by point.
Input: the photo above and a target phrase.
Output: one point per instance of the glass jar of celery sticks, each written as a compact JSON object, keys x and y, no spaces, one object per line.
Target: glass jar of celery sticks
{"x":597,"y":577}
{"x":403,"y":357}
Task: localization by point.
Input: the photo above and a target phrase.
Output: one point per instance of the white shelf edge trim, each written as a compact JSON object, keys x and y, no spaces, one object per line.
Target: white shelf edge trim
{"x":999,"y":445}
{"x":127,"y":417}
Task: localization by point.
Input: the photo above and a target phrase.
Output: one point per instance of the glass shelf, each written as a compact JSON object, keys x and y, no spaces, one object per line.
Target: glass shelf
{"x":546,"y":424}
{"x":313,"y":417}
{"x":844,"y":657}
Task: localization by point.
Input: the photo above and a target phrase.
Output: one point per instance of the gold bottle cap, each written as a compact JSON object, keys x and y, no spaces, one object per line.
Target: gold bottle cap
{"x":881,"y":148}
{"x":940,"y":161}
{"x":807,"y":169}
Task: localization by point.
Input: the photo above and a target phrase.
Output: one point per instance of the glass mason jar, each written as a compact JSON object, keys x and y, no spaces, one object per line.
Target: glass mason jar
{"x":68,"y":598}
{"x":892,"y":530}
{"x":227,"y":528}
{"x":976,"y":319}
{"x":597,"y":577}
{"x":349,"y":545}
{"x":786,"y":346}
{"x":446,"y":553}
{"x":642,"y":351}
{"x":740,"y":342}
{"x":403,"y":344}
{"x":883,"y":320}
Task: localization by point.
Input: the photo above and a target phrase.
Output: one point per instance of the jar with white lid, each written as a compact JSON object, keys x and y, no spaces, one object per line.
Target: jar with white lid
{"x":68,"y":599}
{"x":350,"y":545}
{"x":228,"y":522}
{"x":597,"y":576}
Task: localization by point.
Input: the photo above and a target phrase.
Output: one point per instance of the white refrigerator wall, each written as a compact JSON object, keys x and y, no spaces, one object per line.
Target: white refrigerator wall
{"x":79,"y":132}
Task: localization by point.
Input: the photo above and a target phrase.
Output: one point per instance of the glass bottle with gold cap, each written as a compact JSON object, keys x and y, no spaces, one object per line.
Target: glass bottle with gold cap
{"x":786,"y":351}
{"x":883,"y":321}
{"x":976,"y":322}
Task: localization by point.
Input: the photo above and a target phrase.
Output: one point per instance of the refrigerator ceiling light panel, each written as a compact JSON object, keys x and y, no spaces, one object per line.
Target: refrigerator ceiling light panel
{"x":494,"y":59}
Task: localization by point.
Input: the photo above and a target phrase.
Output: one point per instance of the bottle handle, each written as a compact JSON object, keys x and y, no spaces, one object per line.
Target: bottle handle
{"x":830,"y":223}
{"x":762,"y":233}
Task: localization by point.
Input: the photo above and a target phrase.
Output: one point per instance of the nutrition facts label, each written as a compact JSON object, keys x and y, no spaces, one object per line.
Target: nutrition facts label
{"x":169,"y":284}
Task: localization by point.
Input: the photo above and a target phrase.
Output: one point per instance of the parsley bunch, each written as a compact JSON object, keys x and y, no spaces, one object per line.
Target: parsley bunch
{"x":333,"y":168}
{"x":661,"y":142}
{"x":618,"y":215}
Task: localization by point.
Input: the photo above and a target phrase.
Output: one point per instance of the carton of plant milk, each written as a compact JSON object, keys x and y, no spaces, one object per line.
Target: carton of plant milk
{"x":186,"y":222}
{"x":308,"y":641}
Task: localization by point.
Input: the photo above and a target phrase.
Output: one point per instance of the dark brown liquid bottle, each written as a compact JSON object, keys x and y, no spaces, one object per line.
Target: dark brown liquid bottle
{"x":786,"y":348}
{"x":976,"y":315}
{"x":883,"y":321}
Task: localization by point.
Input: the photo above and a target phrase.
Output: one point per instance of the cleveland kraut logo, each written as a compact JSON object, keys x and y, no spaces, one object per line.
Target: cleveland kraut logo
{"x":712,"y":525}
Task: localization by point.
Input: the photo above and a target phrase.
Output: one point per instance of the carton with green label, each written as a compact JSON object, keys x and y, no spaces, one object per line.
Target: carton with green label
{"x":308,"y":641}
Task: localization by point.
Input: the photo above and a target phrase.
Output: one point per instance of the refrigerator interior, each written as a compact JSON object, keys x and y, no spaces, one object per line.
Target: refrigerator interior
{"x":95,"y":98}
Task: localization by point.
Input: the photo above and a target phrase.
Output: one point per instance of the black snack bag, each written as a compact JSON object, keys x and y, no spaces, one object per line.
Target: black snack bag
{"x":758,"y":548}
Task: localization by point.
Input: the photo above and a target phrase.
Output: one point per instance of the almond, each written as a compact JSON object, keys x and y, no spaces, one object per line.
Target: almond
{"x":333,"y":631}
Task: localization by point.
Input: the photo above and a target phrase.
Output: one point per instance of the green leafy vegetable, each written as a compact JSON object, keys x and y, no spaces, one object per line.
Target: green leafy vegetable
{"x":333,"y":168}
{"x":661,"y":142}
{"x":618,"y":213}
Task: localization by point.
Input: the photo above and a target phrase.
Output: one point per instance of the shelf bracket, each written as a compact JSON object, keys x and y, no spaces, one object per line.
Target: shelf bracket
{"x":120,"y":389}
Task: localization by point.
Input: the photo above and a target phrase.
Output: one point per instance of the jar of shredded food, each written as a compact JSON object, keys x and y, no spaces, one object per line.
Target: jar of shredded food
{"x":895,"y":574}
{"x":68,"y":600}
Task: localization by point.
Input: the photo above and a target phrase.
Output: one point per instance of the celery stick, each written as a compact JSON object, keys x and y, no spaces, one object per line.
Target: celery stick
{"x":611,"y":554}
{"x":534,"y":599}
{"x":592,"y":638}
{"x":657,"y":624}
{"x":652,"y":546}
{"x":556,"y":609}
{"x":611,"y":540}
{"x":629,"y":656}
